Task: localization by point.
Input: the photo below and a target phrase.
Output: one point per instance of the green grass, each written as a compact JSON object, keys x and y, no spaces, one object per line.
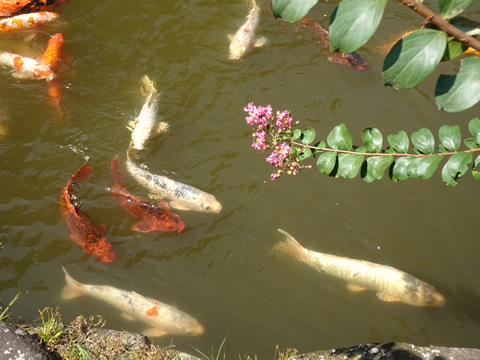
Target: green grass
{"x":4,"y":310}
{"x":52,"y":327}
{"x":210,"y":356}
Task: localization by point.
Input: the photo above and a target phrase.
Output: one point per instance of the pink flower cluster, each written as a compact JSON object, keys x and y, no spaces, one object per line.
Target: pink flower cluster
{"x":279,"y":155}
{"x":258,"y":114}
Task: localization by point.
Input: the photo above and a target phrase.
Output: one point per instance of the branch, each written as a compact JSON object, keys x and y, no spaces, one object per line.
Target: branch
{"x":442,"y":24}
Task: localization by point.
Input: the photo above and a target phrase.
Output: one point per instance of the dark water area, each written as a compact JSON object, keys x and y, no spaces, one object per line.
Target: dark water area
{"x":220,"y":269}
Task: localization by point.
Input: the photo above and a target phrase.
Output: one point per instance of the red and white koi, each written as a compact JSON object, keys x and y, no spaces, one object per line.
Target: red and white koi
{"x":25,"y":67}
{"x":146,"y":122}
{"x":16,"y":7}
{"x":244,"y":39}
{"x":162,"y":318}
{"x":27,"y":21}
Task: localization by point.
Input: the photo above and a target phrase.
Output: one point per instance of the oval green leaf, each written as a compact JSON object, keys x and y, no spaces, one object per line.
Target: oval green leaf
{"x":399,"y":142}
{"x":376,"y":166}
{"x":349,"y":165}
{"x":413,"y":58}
{"x":308,"y":135}
{"x":454,"y":93}
{"x":326,"y":162}
{"x":305,"y":154}
{"x":474,"y":128}
{"x":339,"y":138}
{"x":476,"y":175}
{"x":451,"y":8}
{"x":453,"y":50}
{"x":424,"y":167}
{"x":373,"y":139}
{"x":450,"y":137}
{"x":353,"y":22}
{"x":399,"y":170}
{"x":296,"y":134}
{"x":424,"y":141}
{"x":291,"y":10}
{"x":455,"y":167}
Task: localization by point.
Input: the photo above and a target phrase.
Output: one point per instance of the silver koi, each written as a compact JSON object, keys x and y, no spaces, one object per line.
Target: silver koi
{"x":146,"y":122}
{"x":390,"y":284}
{"x":163,"y":318}
{"x":181,"y":196}
{"x":244,"y":39}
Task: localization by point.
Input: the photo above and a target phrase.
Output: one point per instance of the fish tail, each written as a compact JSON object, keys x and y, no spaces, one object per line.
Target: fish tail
{"x":291,"y":247}
{"x":117,"y":176}
{"x":130,"y":150}
{"x":147,"y":86}
{"x":84,"y":172}
{"x":73,"y":288}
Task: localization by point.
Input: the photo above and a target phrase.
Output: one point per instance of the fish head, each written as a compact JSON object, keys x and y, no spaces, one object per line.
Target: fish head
{"x":426,"y":295}
{"x":168,"y":222}
{"x":104,"y":251}
{"x":209,"y":204}
{"x":237,"y":50}
{"x":190,"y":327}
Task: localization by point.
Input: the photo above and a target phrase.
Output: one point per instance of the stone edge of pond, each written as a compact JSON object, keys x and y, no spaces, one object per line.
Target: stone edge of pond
{"x":21,"y":342}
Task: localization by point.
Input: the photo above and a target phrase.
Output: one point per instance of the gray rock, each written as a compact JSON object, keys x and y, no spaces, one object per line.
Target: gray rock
{"x":17,"y":344}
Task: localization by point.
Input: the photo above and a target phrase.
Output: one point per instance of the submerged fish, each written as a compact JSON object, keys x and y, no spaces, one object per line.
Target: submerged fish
{"x":353,"y":60}
{"x":181,"y":196}
{"x":146,"y":122}
{"x":17,"y":7}
{"x":163,"y":318}
{"x":53,"y":53}
{"x":244,"y":39}
{"x":27,"y":21}
{"x":85,"y":233}
{"x":391,"y":284}
{"x":153,"y":217}
{"x":25,"y":67}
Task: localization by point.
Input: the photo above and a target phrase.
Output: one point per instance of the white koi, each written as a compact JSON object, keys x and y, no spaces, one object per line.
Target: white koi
{"x":244,"y":39}
{"x":163,"y":318}
{"x":27,"y":21}
{"x":146,"y":122}
{"x":390,"y":284}
{"x":180,"y":196}
{"x":25,"y":67}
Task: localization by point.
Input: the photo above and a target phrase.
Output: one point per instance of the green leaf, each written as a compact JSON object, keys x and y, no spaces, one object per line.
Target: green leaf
{"x":476,"y":175}
{"x":474,"y":127}
{"x":453,"y":50}
{"x":413,"y":58}
{"x":450,"y":137}
{"x":296,"y":134}
{"x":291,"y":10}
{"x":451,"y":8}
{"x":326,"y":162}
{"x":339,"y":138}
{"x":349,"y":165}
{"x":455,"y":167}
{"x":308,"y":135}
{"x":454,"y":93}
{"x":305,"y":154}
{"x":470,"y":143}
{"x":399,"y":171}
{"x":376,"y":166}
{"x":477,"y":160}
{"x":424,"y":167}
{"x":353,"y":22}
{"x":423,"y":140}
{"x":399,"y":141}
{"x":320,"y":144}
{"x":373,"y":139}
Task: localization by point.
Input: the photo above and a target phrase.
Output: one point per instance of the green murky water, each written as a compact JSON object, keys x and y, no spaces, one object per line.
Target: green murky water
{"x":220,"y":269}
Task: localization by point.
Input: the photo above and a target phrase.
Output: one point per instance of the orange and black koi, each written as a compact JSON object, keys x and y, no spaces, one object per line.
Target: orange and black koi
{"x":85,"y":233}
{"x":17,"y":7}
{"x":153,"y":217}
{"x":353,"y":60}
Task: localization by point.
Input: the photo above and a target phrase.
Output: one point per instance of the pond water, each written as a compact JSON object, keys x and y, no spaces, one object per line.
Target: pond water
{"x":220,"y":269}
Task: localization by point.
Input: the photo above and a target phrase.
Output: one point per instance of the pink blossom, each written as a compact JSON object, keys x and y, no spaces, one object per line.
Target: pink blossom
{"x":274,"y":176}
{"x":278,"y":156}
{"x":258,"y":115}
{"x":284,"y":120}
{"x":259,"y":140}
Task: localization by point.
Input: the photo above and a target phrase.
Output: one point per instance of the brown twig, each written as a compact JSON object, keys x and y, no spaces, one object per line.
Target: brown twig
{"x":442,"y":24}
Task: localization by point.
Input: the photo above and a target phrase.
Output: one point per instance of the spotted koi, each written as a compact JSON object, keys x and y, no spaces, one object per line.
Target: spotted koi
{"x":25,"y":67}
{"x":27,"y":21}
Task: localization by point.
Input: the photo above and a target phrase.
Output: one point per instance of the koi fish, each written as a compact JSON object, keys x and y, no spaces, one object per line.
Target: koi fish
{"x":244,"y":39}
{"x":53,"y":53}
{"x":181,"y":196}
{"x":353,"y":60}
{"x":25,"y":67}
{"x":27,"y":21}
{"x":17,"y":7}
{"x":163,"y":319}
{"x":390,"y":284}
{"x":85,"y":233}
{"x":154,"y":217}
{"x":146,"y":123}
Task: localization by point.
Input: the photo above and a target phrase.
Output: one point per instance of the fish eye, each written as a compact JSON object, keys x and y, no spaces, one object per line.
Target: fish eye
{"x":429,"y":301}
{"x":206,"y":207}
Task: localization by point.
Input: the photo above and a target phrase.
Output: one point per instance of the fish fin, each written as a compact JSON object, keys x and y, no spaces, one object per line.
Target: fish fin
{"x":102,"y":227}
{"x":155,"y":196}
{"x":161,"y":127}
{"x":230,"y":37}
{"x":73,"y":288}
{"x":356,"y":287}
{"x":142,"y":226}
{"x":260,"y":41}
{"x":163,"y":205}
{"x":77,"y":238}
{"x":174,"y":205}
{"x":388,"y":297}
{"x":127,"y":316}
{"x":290,"y":247}
{"x":154,"y":332}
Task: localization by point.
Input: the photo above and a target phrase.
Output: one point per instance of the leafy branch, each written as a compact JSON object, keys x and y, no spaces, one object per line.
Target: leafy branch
{"x":416,"y":55}
{"x":339,"y":157}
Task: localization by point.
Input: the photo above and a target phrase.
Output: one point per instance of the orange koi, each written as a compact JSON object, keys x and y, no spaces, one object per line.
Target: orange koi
{"x":153,"y":217}
{"x":353,"y":60}
{"x":53,"y":53}
{"x":27,"y":21}
{"x":25,"y":67}
{"x":17,"y":7}
{"x":85,"y":233}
